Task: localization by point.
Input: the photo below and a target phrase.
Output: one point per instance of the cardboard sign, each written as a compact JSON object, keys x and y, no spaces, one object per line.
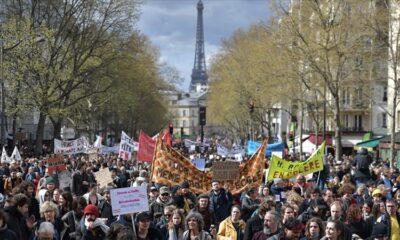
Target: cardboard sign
{"x":226,"y":170}
{"x":103,"y":177}
{"x":55,"y":163}
{"x":129,"y":200}
{"x":126,"y":147}
{"x":65,"y":179}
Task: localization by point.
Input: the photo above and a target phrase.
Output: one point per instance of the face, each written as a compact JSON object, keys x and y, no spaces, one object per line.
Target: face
{"x":235,"y":214}
{"x":185,"y":191}
{"x":50,"y":186}
{"x":61,"y":201}
{"x":45,"y":236}
{"x":176,"y":219}
{"x":90,"y":217}
{"x":30,"y":191}
{"x":328,"y":197}
{"x":192,"y":224}
{"x":215,"y":186}
{"x":203,"y":202}
{"x":144,"y":224}
{"x":265,"y":191}
{"x":23,"y":209}
{"x":313,"y":229}
{"x":289,"y":213}
{"x":164,"y":197}
{"x":292,"y":234}
{"x":270,"y":222}
{"x":168,"y":214}
{"x":331,"y":232}
{"x":50,"y":215}
{"x":336,"y":212}
{"x":107,"y":196}
{"x":391,"y":208}
{"x":56,"y":196}
{"x":366,"y":209}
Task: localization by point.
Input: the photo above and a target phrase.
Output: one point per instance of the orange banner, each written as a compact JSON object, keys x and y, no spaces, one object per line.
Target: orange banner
{"x":171,"y":168}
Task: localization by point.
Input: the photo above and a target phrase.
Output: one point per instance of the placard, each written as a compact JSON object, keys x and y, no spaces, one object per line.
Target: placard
{"x":55,"y":163}
{"x":103,"y":177}
{"x":129,"y":200}
{"x":65,"y":179}
{"x":227,"y":170}
{"x":126,"y":147}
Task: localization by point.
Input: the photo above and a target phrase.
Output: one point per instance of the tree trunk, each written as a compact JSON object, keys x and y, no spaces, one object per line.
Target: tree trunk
{"x":14,"y":130}
{"x":393,"y":131}
{"x":338,"y":134}
{"x":57,"y":128}
{"x":39,"y":134}
{"x":300,"y":130}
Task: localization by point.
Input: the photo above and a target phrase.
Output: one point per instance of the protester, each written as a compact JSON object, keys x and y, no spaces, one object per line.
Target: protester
{"x":250,"y":203}
{"x":105,"y":207}
{"x":176,"y":226}
{"x":220,"y":201}
{"x":233,"y":226}
{"x":334,"y":230}
{"x":314,"y":229}
{"x":291,"y":230}
{"x":18,"y":221}
{"x":194,"y":228}
{"x":91,"y":227}
{"x":74,"y":217}
{"x":143,"y":229}
{"x":49,"y":213}
{"x":5,"y":232}
{"x":157,"y":207}
{"x":203,"y":207}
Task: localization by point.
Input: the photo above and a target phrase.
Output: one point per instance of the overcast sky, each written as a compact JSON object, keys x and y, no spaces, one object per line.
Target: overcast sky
{"x":171,"y":26}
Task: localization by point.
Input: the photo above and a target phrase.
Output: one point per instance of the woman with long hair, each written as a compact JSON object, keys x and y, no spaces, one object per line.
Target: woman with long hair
{"x":355,"y":221}
{"x":314,"y":229}
{"x":334,"y":230}
{"x":176,"y":227}
{"x":65,"y":203}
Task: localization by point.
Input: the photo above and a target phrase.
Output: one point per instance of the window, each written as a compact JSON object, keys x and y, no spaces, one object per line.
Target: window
{"x":357,"y":123}
{"x":384,"y":97}
{"x":384,"y":120}
{"x":183,"y":113}
{"x":183,"y":123}
{"x":346,"y":120}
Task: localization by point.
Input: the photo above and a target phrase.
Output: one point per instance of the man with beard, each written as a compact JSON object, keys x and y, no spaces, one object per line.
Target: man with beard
{"x":105,"y":206}
{"x":28,"y":189}
{"x":184,"y":199}
{"x":80,"y":181}
{"x":220,"y":201}
{"x":157,"y":207}
{"x":204,"y":209}
{"x":18,"y":221}
{"x":256,"y":223}
{"x":271,"y":226}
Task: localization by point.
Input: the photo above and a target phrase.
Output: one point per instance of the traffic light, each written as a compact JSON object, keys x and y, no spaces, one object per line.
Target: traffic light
{"x":171,"y":129}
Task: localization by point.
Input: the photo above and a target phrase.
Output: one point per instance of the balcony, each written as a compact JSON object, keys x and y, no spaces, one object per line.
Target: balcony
{"x":353,"y":129}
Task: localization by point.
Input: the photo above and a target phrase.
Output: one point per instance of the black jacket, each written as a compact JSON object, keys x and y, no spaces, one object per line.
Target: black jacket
{"x":253,"y":225}
{"x":7,"y":234}
{"x":221,"y":204}
{"x":17,"y":223}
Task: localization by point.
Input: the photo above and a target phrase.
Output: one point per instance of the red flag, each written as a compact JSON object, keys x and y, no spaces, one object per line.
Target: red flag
{"x":166,"y":137}
{"x":146,"y":147}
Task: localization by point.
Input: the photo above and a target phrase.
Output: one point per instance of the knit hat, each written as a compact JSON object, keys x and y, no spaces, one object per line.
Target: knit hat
{"x":185,"y":184}
{"x":50,"y":180}
{"x":91,"y":209}
{"x":376,"y":192}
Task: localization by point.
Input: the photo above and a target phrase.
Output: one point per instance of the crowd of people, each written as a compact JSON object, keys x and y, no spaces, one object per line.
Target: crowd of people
{"x":357,"y":198}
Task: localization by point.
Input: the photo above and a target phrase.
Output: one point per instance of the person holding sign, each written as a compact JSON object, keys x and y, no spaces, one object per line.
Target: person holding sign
{"x":92,"y":227}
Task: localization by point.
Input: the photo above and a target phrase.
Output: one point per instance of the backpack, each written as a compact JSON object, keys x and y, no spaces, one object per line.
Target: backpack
{"x":363,"y":163}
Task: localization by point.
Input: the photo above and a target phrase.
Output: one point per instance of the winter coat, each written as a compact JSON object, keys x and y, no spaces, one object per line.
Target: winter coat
{"x":220,"y":204}
{"x":17,"y":223}
{"x":226,"y":230}
{"x":253,"y":225}
{"x":7,"y":234}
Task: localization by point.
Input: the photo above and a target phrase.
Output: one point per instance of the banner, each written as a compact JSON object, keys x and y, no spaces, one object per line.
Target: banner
{"x":226,"y":170}
{"x":15,"y":154}
{"x":146,"y":147}
{"x":129,"y":200}
{"x":4,"y":157}
{"x":279,"y":168}
{"x":237,"y":152}
{"x":125,"y":147}
{"x":199,"y":163}
{"x":55,"y":163}
{"x":70,"y":147}
{"x":171,"y":168}
{"x":108,"y":150}
{"x":274,"y":147}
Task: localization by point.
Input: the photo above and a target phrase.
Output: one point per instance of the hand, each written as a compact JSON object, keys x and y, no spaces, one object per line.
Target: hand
{"x":85,"y":183}
{"x":30,"y":221}
{"x":90,"y":226}
{"x":213,"y":232}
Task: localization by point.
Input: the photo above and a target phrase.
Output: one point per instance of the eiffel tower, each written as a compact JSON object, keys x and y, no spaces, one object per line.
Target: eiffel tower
{"x":199,"y":75}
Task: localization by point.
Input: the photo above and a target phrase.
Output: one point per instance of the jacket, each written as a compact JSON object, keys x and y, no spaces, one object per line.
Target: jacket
{"x":7,"y":234}
{"x":227,"y":231}
{"x":97,"y":233}
{"x":203,"y":235}
{"x":73,"y":224}
{"x":248,"y":207}
{"x":386,"y":220}
{"x":253,"y":225}
{"x":220,"y":204}
{"x":17,"y":223}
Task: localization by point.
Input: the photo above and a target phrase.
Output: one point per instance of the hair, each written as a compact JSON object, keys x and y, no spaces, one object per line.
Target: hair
{"x":198,"y":217}
{"x":120,"y":232}
{"x":251,"y":190}
{"x":68,"y":199}
{"x":276,"y":214}
{"x":338,"y":226}
{"x":25,"y":184}
{"x":285,"y":206}
{"x":3,"y":216}
{"x":46,"y":227}
{"x":346,"y":188}
{"x":263,"y":208}
{"x":352,"y":212}
{"x":20,"y":200}
{"x":320,"y":224}
{"x":169,"y":208}
{"x":392,"y":201}
{"x":81,"y":165}
{"x":79,"y":201}
{"x":237,"y":207}
{"x":376,"y":209}
{"x":181,"y":214}
{"x":48,"y":205}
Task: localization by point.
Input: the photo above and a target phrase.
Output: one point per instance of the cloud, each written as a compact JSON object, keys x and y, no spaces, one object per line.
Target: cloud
{"x":171,"y":26}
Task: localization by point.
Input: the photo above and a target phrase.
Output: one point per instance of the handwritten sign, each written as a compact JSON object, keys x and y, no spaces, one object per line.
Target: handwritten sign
{"x":129,"y":200}
{"x":65,"y":179}
{"x":226,"y":170}
{"x":55,"y":163}
{"x":103,"y":177}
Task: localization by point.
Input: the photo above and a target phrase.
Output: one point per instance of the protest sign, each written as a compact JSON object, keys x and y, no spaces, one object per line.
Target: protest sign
{"x":70,"y":147}
{"x":103,"y":177}
{"x":4,"y":157}
{"x":65,"y":179}
{"x":93,"y":154}
{"x":129,"y":200}
{"x":226,"y":170}
{"x":199,"y":163}
{"x":169,"y":167}
{"x":15,"y":154}
{"x":280,"y":168}
{"x":125,"y":147}
{"x":146,"y":147}
{"x":55,"y":163}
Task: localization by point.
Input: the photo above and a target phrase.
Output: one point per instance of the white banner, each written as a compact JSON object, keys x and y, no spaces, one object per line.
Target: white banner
{"x":15,"y":154}
{"x":108,"y":150}
{"x":4,"y":157}
{"x":79,"y":145}
{"x":129,"y":200}
{"x":125,"y":147}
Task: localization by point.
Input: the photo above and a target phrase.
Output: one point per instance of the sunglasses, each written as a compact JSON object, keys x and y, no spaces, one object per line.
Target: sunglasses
{"x":165,"y":194}
{"x":168,"y":215}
